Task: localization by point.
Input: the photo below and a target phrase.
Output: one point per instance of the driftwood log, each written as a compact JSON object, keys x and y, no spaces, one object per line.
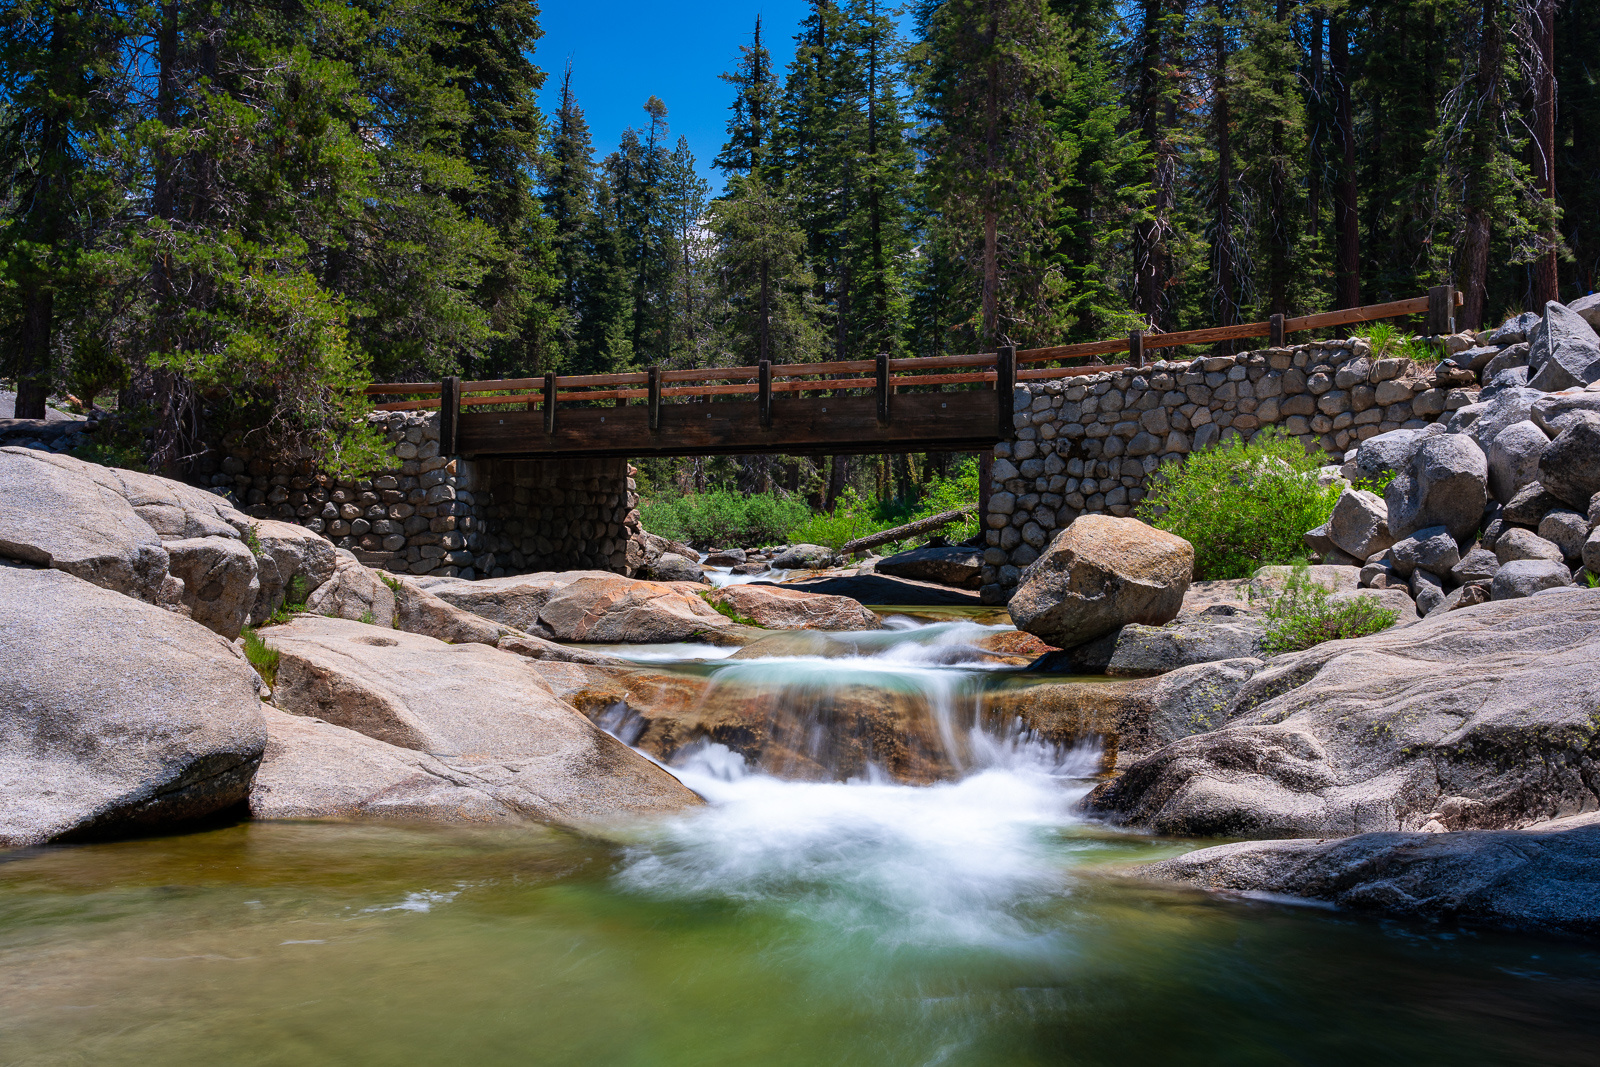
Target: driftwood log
{"x":910,"y":529}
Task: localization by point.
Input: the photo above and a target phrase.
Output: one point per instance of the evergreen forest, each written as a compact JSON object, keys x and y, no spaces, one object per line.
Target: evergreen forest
{"x":213,"y":210}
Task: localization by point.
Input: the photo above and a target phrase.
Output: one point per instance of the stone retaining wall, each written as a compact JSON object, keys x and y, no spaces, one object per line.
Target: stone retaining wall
{"x":444,"y":515}
{"x":1090,"y":444}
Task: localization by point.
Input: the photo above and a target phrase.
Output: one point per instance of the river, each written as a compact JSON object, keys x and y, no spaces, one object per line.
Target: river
{"x":972,"y":921}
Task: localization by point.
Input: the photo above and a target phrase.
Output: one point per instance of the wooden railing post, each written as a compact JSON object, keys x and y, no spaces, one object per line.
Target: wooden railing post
{"x":883,"y":388}
{"x":764,"y":392}
{"x":550,"y":402}
{"x":449,"y":414}
{"x":1005,"y":383}
{"x":1136,"y":348}
{"x":1441,"y":310}
{"x":655,"y":399}
{"x":1275,"y":335}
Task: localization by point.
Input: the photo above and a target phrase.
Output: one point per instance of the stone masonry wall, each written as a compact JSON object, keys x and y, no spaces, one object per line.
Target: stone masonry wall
{"x":1089,"y":444}
{"x":445,"y":515}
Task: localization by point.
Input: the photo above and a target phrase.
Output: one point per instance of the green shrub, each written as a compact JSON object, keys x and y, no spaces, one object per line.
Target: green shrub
{"x":721,"y":519}
{"x":263,"y":657}
{"x":1242,"y":506}
{"x":1304,"y":616}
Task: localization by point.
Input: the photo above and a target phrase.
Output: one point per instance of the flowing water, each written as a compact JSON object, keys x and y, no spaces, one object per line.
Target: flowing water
{"x":972,"y":921}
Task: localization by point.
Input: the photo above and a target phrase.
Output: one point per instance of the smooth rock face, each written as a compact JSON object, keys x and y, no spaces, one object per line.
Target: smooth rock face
{"x":778,"y":608}
{"x":615,"y":609}
{"x":1432,"y":550}
{"x":1566,"y":352}
{"x":1099,"y":574}
{"x":1524,"y":577}
{"x":155,"y":725}
{"x":1546,"y":878}
{"x":1519,"y":544}
{"x":1360,"y":523}
{"x":537,"y":648}
{"x":1143,"y":651}
{"x":1444,"y":484}
{"x":955,"y":565}
{"x":810,"y":557}
{"x":1479,"y":718}
{"x":1514,"y":458}
{"x":1570,"y":466}
{"x":54,"y":515}
{"x":514,"y":600}
{"x":219,"y":581}
{"x":353,"y":592}
{"x":288,"y":552}
{"x":671,"y":567}
{"x":475,"y":709}
{"x":316,"y":770}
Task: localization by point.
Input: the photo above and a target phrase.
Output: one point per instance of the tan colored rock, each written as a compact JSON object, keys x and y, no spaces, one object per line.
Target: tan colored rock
{"x":475,"y":709}
{"x":621,"y":610}
{"x":515,"y":600}
{"x":353,"y":592}
{"x":1099,"y":574}
{"x":316,"y":770}
{"x":152,"y":725}
{"x":219,"y":581}
{"x":537,"y":648}
{"x":288,"y":552}
{"x":778,"y":608}
{"x":1015,"y":643}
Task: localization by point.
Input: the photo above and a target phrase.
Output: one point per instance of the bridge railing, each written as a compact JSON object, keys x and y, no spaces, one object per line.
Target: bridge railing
{"x":882,"y":375}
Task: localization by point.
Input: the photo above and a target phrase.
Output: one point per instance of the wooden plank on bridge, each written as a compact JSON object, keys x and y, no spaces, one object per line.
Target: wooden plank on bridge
{"x":920,"y":422}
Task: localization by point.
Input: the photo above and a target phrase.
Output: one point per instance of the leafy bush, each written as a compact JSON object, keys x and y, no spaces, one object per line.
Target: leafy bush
{"x":720,"y":519}
{"x":1304,"y":616}
{"x":1242,"y":506}
{"x":855,"y":518}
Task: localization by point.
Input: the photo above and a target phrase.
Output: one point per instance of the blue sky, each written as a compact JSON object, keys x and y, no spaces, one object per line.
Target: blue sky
{"x":625,"y":50}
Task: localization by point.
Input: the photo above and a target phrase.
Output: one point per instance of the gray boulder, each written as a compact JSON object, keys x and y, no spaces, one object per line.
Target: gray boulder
{"x":1565,"y":352}
{"x":1542,"y":879}
{"x":481,"y":712}
{"x":1587,"y":308}
{"x":726,"y":557}
{"x":1514,"y":458}
{"x":1388,"y":452}
{"x":1502,"y":381}
{"x":803,"y":557}
{"x":1478,"y":565}
{"x":1556,"y":412}
{"x":514,"y":600}
{"x":1445,"y":483}
{"x":116,"y":716}
{"x":1508,"y":359}
{"x":1505,"y":407}
{"x":1524,"y":577}
{"x":1479,"y":719}
{"x":1427,"y":591}
{"x":1432,"y":550}
{"x":955,"y":565}
{"x":54,"y":514}
{"x":1529,"y":506}
{"x":1591,"y":553}
{"x":1515,"y":330}
{"x":1360,"y":523}
{"x":288,"y":552}
{"x":671,"y":567}
{"x":219,"y":581}
{"x":1100,"y":574}
{"x":1570,"y":466}
{"x":316,"y":770}
{"x":1517,"y":543}
{"x":1567,"y":530}
{"x":1143,"y":651}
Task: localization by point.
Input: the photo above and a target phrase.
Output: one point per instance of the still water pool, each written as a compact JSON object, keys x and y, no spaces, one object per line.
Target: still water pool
{"x":787,"y":923}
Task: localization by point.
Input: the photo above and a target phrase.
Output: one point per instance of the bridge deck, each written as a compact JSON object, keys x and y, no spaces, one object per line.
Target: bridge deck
{"x":925,"y":422}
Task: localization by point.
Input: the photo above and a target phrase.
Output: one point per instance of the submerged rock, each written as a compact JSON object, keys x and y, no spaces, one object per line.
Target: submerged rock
{"x":1099,"y":574}
{"x":1545,"y":878}
{"x":1490,"y":705}
{"x":153,"y":726}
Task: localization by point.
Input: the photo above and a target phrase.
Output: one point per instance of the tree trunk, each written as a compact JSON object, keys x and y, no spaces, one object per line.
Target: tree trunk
{"x":1314,"y":192}
{"x":838,"y":477}
{"x":991,"y":164}
{"x":1278,"y":193}
{"x":1546,"y":284}
{"x":1485,"y":128}
{"x":764,"y":341}
{"x":33,"y":372}
{"x":1347,"y":223}
{"x":1227,"y":304}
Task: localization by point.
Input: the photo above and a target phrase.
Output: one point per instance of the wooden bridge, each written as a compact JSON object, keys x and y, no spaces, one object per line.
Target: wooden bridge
{"x":931,"y":404}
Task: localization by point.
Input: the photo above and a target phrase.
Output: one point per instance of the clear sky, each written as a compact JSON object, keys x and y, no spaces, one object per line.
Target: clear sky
{"x":623,"y":51}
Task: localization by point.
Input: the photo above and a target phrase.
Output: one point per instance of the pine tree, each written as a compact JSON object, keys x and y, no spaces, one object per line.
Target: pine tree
{"x":568,"y":198}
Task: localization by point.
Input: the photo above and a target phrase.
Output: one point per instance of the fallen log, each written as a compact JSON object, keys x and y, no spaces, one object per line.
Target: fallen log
{"x":910,"y":529}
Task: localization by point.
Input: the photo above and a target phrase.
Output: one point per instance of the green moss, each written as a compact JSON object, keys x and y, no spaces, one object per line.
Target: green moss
{"x":727,"y":610}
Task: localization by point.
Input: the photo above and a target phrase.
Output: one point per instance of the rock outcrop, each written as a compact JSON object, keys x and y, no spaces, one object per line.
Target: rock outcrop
{"x":778,"y":608}
{"x":1546,"y":878}
{"x":485,"y":713}
{"x":1481,"y":718}
{"x":152,"y":724}
{"x":1099,"y":574}
{"x":620,"y":610}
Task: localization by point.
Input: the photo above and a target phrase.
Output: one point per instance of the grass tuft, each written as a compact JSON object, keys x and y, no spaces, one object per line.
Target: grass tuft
{"x":263,"y":657}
